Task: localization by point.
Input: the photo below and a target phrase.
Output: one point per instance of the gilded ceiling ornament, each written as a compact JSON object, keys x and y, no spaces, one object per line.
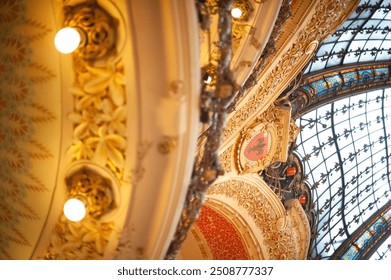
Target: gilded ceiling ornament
{"x":221,"y":234}
{"x":96,"y":190}
{"x":278,"y":238}
{"x":99,"y":115}
{"x":213,"y":112}
{"x":239,"y":32}
{"x":84,"y":240}
{"x":251,"y":242}
{"x":99,"y":133}
{"x":226,"y":159}
{"x":96,"y":25}
{"x":283,"y":15}
{"x":300,"y":225}
{"x":292,"y":61}
{"x":256,"y":148}
{"x":245,"y":7}
{"x":265,"y":141}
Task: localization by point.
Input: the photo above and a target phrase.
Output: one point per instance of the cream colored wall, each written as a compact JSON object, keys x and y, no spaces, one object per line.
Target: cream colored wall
{"x":31,"y":124}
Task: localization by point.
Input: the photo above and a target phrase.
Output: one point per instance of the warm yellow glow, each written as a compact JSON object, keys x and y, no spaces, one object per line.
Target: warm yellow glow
{"x":74,"y":209}
{"x":67,"y":40}
{"x":236,"y":12}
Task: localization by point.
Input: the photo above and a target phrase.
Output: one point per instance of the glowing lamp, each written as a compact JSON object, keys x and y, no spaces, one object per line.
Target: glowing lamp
{"x":207,"y":79}
{"x":74,"y":209}
{"x":303,"y":199}
{"x":67,"y":40}
{"x":291,"y":171}
{"x":236,"y":12}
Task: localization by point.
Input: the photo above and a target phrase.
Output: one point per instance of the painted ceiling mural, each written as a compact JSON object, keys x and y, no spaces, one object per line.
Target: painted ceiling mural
{"x":29,"y":124}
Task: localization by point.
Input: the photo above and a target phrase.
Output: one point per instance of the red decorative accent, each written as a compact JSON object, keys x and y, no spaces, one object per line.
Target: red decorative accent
{"x":224,"y":241}
{"x":291,"y":171}
{"x":258,"y":147}
{"x":303,"y":199}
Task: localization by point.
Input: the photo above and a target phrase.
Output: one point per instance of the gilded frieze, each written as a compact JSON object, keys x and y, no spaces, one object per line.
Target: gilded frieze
{"x":266,"y":140}
{"x":99,"y":130}
{"x":293,"y":60}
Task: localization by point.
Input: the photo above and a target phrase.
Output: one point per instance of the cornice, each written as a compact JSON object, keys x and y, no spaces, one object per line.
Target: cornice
{"x":325,"y":18}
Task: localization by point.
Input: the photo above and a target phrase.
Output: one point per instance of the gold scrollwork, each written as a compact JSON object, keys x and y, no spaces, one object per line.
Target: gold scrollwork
{"x":97,"y":26}
{"x":291,"y":62}
{"x":95,"y":189}
{"x":278,"y":238}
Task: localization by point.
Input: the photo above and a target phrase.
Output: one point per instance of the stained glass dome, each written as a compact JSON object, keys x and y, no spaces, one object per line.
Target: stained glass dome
{"x":345,"y":138}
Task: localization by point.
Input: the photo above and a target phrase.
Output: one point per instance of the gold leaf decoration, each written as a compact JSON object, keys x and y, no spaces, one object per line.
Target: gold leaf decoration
{"x":82,"y":240}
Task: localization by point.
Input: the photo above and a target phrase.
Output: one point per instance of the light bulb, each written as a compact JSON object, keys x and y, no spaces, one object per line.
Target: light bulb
{"x":236,"y":12}
{"x":74,"y":209}
{"x":207,"y":79}
{"x":67,"y":40}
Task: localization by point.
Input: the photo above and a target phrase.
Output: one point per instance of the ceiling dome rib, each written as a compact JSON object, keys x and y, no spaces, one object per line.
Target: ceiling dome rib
{"x":364,"y":37}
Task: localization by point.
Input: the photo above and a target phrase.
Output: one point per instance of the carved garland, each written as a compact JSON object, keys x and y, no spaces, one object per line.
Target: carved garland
{"x":317,"y":28}
{"x":283,"y":15}
{"x":226,"y":159}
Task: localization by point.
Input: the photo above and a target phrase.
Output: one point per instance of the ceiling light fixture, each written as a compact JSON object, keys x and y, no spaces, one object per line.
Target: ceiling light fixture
{"x":90,"y":194}
{"x":236,"y":12}
{"x":67,"y":40}
{"x":74,"y":209}
{"x":207,"y":79}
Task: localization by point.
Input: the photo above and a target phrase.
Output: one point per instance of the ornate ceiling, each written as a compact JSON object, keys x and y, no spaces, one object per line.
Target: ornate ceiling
{"x":344,"y":96}
{"x":120,"y":125}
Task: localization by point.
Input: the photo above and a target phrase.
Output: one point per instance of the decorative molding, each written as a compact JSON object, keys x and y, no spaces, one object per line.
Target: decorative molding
{"x":97,"y":26}
{"x":226,"y":159}
{"x":137,"y":173}
{"x":167,"y":145}
{"x":276,"y":127}
{"x":336,"y":83}
{"x":240,"y":32}
{"x":325,"y":18}
{"x":248,"y":195}
{"x":84,"y":240}
{"x":99,"y":127}
{"x":201,"y":242}
{"x":257,"y":148}
{"x":95,"y":189}
{"x":99,"y":116}
{"x":283,"y":15}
